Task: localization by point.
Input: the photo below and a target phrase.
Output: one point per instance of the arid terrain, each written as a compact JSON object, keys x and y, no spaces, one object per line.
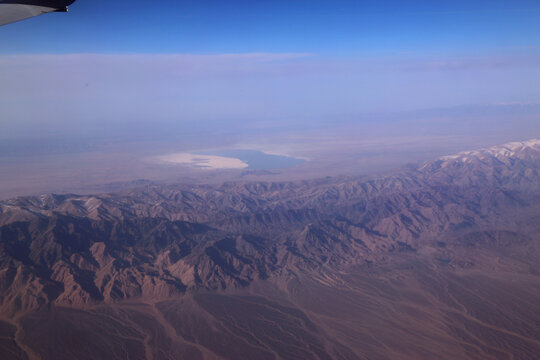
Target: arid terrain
{"x":435,"y":261}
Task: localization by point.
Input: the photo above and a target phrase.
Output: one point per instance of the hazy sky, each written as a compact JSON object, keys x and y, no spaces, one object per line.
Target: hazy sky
{"x":141,"y":67}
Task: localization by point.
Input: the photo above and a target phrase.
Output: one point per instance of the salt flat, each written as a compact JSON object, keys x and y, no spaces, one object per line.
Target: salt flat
{"x":203,"y":161}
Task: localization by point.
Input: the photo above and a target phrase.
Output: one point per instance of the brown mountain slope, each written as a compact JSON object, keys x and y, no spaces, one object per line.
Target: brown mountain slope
{"x":435,"y":261}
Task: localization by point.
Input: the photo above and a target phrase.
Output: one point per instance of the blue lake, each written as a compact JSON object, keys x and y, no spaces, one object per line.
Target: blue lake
{"x":257,"y":160}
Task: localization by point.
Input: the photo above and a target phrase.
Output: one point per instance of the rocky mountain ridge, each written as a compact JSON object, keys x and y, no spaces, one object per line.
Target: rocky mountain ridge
{"x":473,"y":212}
{"x":157,"y":241}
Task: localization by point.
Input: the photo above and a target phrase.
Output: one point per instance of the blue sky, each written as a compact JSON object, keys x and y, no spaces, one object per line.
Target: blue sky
{"x":328,"y":28}
{"x":164,"y":66}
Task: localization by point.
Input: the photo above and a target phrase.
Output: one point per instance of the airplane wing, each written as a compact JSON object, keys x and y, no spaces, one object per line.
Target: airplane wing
{"x":15,"y":10}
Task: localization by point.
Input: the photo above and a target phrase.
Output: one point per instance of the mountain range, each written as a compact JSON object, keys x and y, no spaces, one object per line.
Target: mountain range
{"x":438,"y":260}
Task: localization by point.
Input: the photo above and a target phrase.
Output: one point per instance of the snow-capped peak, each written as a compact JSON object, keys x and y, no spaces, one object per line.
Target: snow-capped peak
{"x":512,"y":149}
{"x":518,"y":149}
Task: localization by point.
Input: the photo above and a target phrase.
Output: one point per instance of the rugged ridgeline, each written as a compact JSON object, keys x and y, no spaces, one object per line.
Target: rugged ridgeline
{"x":435,"y":261}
